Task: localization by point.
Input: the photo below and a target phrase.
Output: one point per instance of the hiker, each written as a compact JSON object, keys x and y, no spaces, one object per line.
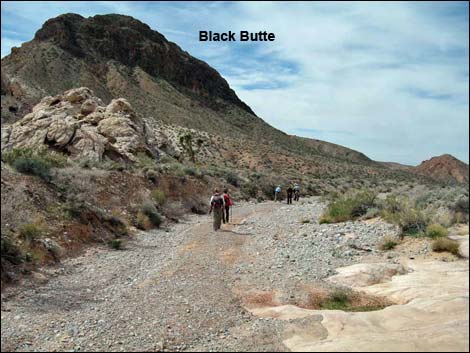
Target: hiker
{"x":296,"y":192}
{"x":228,"y":203}
{"x":277,"y":191}
{"x":217,"y":205}
{"x":290,"y":191}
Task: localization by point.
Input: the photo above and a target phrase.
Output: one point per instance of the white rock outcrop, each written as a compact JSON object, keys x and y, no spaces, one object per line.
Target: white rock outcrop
{"x":80,"y":125}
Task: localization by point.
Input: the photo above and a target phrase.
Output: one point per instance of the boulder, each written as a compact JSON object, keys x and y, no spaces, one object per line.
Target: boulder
{"x":79,"y":124}
{"x":362,"y":275}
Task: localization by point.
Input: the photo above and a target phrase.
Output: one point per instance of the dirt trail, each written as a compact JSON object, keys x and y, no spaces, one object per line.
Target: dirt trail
{"x":185,"y":288}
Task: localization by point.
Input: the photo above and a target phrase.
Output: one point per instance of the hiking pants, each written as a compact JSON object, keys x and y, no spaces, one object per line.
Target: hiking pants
{"x":225,"y":214}
{"x":217,"y":218}
{"x":289,"y":198}
{"x":297,"y":196}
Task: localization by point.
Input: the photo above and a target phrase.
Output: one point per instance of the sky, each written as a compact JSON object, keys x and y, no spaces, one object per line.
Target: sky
{"x":390,"y":80}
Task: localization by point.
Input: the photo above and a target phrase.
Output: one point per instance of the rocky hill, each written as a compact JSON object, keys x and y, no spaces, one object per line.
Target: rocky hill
{"x":118,"y":56}
{"x":444,"y":168}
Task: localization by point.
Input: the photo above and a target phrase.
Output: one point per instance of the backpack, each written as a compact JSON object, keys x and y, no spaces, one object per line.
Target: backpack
{"x":228,"y":201}
{"x":217,"y":201}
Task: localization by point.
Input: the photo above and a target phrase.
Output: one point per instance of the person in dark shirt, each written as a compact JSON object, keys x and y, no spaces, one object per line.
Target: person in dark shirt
{"x":290,"y":192}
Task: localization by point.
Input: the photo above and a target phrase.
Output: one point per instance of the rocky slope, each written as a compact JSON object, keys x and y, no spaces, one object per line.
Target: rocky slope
{"x":118,"y":56}
{"x":445,"y":168}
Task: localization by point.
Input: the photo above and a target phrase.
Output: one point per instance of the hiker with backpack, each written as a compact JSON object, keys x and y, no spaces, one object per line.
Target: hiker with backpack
{"x":277,"y":192}
{"x":217,"y":205}
{"x":227,"y":204}
{"x":296,"y":192}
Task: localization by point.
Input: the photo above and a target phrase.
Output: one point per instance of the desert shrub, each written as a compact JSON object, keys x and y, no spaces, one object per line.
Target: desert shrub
{"x":32,"y":166}
{"x":167,"y":159}
{"x":115,"y":244}
{"x":305,"y":220}
{"x":445,"y":245}
{"x":159,"y":196}
{"x":144,"y":160}
{"x":412,"y":221}
{"x":249,"y":190}
{"x":142,"y":221}
{"x":349,"y":208}
{"x":31,"y":231}
{"x":10,"y":251}
{"x":117,"y":225}
{"x":436,"y":231}
{"x":461,"y":206}
{"x":151,"y":212}
{"x":388,"y":243}
{"x":391,"y":205}
{"x":151,"y":174}
{"x":371,"y":213}
{"x":232,"y":179}
{"x":196,"y":205}
{"x":43,"y":155}
{"x":267,"y":190}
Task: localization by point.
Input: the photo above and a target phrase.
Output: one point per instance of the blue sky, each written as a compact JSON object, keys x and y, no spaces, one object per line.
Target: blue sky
{"x":388,"y":79}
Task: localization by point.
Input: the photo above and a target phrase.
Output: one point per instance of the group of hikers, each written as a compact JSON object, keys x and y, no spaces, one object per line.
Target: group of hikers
{"x":221,"y":203}
{"x":293,"y":191}
{"x":220,"y":206}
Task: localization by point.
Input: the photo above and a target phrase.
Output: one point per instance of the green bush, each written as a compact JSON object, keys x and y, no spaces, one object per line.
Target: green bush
{"x":116,"y":244}
{"x":144,"y":160}
{"x":32,"y":166}
{"x":436,"y":231}
{"x":349,"y":208}
{"x":43,"y":155}
{"x":159,"y":196}
{"x":445,"y":245}
{"x":151,"y":212}
{"x":249,"y":190}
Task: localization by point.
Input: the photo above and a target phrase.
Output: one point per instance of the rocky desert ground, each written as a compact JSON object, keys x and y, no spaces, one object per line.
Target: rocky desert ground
{"x":256,"y":285}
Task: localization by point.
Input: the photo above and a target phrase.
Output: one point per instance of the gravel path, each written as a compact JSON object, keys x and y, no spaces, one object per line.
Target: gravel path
{"x":183,"y":289}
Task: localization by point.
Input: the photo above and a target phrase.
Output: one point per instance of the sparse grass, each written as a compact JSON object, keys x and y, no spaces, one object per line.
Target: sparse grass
{"x":31,"y":231}
{"x":305,"y":220}
{"x":436,"y":231}
{"x":445,"y":245}
{"x":337,"y":300}
{"x":388,"y":243}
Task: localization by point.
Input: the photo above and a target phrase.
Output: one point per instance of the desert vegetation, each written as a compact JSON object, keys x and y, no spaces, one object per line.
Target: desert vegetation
{"x":418,"y":211}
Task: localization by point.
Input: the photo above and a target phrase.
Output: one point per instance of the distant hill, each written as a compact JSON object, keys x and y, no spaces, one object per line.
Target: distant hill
{"x":445,"y":168}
